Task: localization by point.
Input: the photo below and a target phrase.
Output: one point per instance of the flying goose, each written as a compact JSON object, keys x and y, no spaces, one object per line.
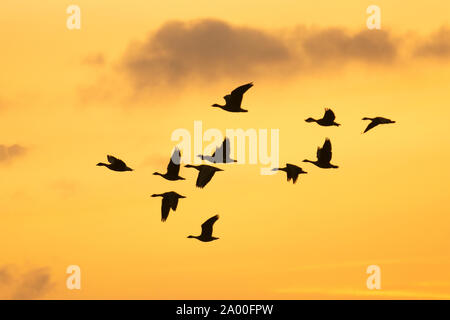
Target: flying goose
{"x":169,"y":201}
{"x":323,"y":156}
{"x":173,"y":168}
{"x":207,"y":230}
{"x":292,"y":171}
{"x":221,"y":155}
{"x":327,"y":120}
{"x":233,"y":101}
{"x":376,"y":121}
{"x":115,"y":164}
{"x":205,"y":173}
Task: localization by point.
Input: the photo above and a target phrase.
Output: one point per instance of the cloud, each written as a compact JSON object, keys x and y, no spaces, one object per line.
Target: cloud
{"x":209,"y":50}
{"x":34,"y":284}
{"x":5,"y":276}
{"x":334,"y":44}
{"x":65,"y":187}
{"x":206,"y":51}
{"x":437,"y":45}
{"x":97,"y":59}
{"x":9,"y":153}
{"x":203,"y":49}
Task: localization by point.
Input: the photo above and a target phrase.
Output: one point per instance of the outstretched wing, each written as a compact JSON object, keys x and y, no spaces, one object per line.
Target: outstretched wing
{"x":371,"y":125}
{"x":329,"y":115}
{"x":223,"y":152}
{"x":226,"y":148}
{"x":207,"y":226}
{"x":173,"y":168}
{"x":204,"y":176}
{"x":235,"y":98}
{"x":165,"y":208}
{"x":239,"y":91}
{"x":115,"y":161}
{"x":174,"y":203}
{"x":324,"y":154}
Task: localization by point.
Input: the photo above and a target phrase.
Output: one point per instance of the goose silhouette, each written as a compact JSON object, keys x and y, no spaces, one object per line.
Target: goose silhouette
{"x":292,"y":172}
{"x":376,"y":121}
{"x":207,"y":230}
{"x":205,"y":174}
{"x":115,"y":164}
{"x":233,"y":101}
{"x":169,"y":201}
{"x":221,"y":155}
{"x":173,"y":168}
{"x":327,"y":120}
{"x":323,"y":156}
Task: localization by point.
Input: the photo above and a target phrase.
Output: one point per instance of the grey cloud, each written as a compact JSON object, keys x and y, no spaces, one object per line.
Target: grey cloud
{"x":211,"y":49}
{"x":437,"y":45}
{"x":33,"y":285}
{"x":9,"y":153}
{"x":208,"y":50}
{"x":5,"y":276}
{"x":370,"y":46}
{"x":97,"y":59}
{"x":205,"y":49}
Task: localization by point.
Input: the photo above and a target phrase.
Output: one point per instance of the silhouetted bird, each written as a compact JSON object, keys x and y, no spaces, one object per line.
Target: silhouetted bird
{"x":376,"y":121}
{"x":205,"y":174}
{"x":221,"y":155}
{"x":233,"y":101}
{"x":207,"y":230}
{"x":115,"y":164}
{"x":327,"y":120}
{"x":169,"y":201}
{"x":292,"y":171}
{"x":323,"y":156}
{"x":173,"y":168}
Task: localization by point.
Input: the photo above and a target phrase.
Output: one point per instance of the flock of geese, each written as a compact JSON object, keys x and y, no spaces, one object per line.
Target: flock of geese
{"x":222,"y":155}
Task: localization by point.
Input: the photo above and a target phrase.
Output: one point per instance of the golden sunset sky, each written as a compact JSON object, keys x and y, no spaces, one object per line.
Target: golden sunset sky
{"x":138,"y":70}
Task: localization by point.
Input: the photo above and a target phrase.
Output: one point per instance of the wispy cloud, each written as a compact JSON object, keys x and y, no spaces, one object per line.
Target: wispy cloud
{"x":5,"y":275}
{"x":436,"y":45}
{"x":33,"y":284}
{"x":10,"y":153}
{"x":339,"y":46}
{"x":96,"y":59}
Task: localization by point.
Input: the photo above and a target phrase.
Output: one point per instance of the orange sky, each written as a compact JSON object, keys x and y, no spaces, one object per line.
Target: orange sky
{"x":71,"y":97}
